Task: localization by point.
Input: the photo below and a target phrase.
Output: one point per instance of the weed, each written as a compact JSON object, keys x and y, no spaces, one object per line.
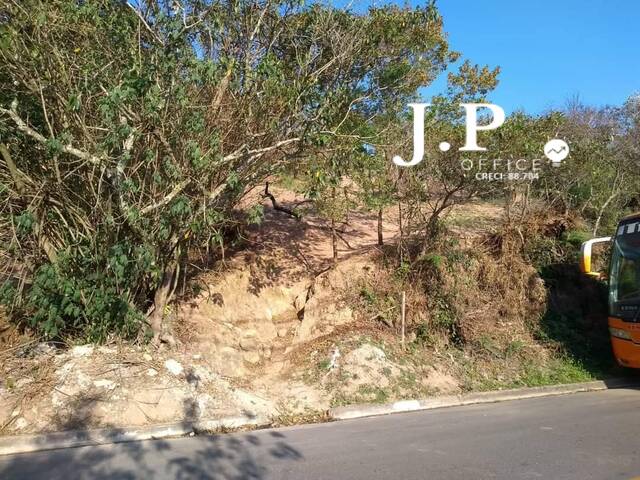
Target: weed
{"x":323,"y":365}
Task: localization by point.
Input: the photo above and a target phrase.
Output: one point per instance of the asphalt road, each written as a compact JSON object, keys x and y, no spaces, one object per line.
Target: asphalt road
{"x":581,"y":436}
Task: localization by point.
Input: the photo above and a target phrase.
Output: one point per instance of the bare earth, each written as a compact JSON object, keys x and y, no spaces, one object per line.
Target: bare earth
{"x":269,"y":333}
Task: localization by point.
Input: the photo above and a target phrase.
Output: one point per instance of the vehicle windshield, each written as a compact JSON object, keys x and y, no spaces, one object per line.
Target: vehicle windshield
{"x":625,"y":273}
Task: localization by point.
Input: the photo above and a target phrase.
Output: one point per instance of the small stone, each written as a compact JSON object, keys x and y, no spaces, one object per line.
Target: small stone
{"x":300,"y":302}
{"x":251,"y":357}
{"x":147,"y":357}
{"x":104,"y":383}
{"x":21,"y":423}
{"x":43,"y":348}
{"x":173,"y":366}
{"x":152,"y":372}
{"x":82,"y":350}
{"x":282,"y":332}
{"x":248,"y":343}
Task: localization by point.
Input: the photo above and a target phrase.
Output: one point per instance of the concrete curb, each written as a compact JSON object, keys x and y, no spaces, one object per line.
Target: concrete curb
{"x":371,"y":410}
{"x":80,"y":438}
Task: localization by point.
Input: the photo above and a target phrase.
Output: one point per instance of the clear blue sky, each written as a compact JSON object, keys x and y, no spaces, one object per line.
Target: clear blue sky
{"x":548,"y":50}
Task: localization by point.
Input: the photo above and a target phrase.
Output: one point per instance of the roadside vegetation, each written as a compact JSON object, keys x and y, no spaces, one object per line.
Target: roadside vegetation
{"x":139,"y":141}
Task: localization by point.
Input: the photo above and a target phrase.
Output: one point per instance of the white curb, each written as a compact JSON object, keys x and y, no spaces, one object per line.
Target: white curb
{"x":371,"y":410}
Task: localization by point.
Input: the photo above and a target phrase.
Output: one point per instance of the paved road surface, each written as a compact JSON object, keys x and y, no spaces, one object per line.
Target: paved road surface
{"x":581,"y":436}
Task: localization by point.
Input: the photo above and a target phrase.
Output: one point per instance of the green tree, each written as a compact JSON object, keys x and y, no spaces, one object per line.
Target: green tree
{"x":130,"y":131}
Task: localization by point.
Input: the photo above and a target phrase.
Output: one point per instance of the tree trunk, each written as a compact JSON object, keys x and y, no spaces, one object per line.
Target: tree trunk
{"x":614,"y":194}
{"x":334,"y":241}
{"x":160,"y":300}
{"x":380,"y":238}
{"x":43,"y":239}
{"x":400,"y":227}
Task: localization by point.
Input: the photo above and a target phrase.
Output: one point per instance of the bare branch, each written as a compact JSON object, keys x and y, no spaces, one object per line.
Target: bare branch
{"x":26,"y":129}
{"x":170,"y":196}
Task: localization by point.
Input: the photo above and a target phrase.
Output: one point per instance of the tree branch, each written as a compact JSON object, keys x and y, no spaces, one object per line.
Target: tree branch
{"x":170,"y":196}
{"x":277,"y":206}
{"x":26,"y":129}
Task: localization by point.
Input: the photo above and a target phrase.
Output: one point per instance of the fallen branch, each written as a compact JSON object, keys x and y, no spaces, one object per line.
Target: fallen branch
{"x":277,"y":206}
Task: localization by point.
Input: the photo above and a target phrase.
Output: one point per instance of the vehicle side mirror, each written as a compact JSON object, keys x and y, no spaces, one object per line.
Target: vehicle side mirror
{"x":586,"y":264}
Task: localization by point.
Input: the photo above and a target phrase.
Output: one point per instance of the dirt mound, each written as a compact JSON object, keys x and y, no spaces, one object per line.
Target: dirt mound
{"x":50,"y":389}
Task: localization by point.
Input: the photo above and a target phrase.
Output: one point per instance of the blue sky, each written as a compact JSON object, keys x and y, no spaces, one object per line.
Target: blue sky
{"x":549,"y":51}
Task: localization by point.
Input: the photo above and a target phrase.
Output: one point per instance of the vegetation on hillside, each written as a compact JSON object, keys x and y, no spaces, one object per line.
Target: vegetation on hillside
{"x":130,"y":133}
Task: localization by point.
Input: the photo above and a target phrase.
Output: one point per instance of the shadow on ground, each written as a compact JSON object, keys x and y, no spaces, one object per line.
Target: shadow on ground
{"x":220,"y":457}
{"x":223,"y":457}
{"x":240,"y":456}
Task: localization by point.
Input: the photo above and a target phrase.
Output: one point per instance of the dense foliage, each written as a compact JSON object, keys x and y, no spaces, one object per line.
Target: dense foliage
{"x":129,"y":132}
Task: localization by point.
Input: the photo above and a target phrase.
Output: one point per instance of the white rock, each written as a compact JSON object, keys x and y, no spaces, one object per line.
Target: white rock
{"x":173,"y":366}
{"x":21,"y":423}
{"x":152,"y":372}
{"x":104,"y":383}
{"x":334,"y":359}
{"x":82,"y":380}
{"x":147,"y":357}
{"x":82,"y":350}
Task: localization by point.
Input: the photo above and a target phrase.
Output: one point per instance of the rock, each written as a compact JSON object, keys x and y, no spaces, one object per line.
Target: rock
{"x":251,"y":357}
{"x":282,"y":332}
{"x":106,"y":350}
{"x":299,"y":302}
{"x":173,"y":366}
{"x":333,"y":363}
{"x":21,"y":423}
{"x":104,"y":383}
{"x":82,"y":350}
{"x":44,"y":348}
{"x":152,"y":372}
{"x":249,"y":343}
{"x":147,"y":357}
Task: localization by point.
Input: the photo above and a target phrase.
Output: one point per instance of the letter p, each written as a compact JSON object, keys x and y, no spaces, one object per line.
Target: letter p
{"x":473,"y":128}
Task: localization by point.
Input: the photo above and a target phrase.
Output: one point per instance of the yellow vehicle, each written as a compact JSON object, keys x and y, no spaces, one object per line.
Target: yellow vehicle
{"x":624,"y":288}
